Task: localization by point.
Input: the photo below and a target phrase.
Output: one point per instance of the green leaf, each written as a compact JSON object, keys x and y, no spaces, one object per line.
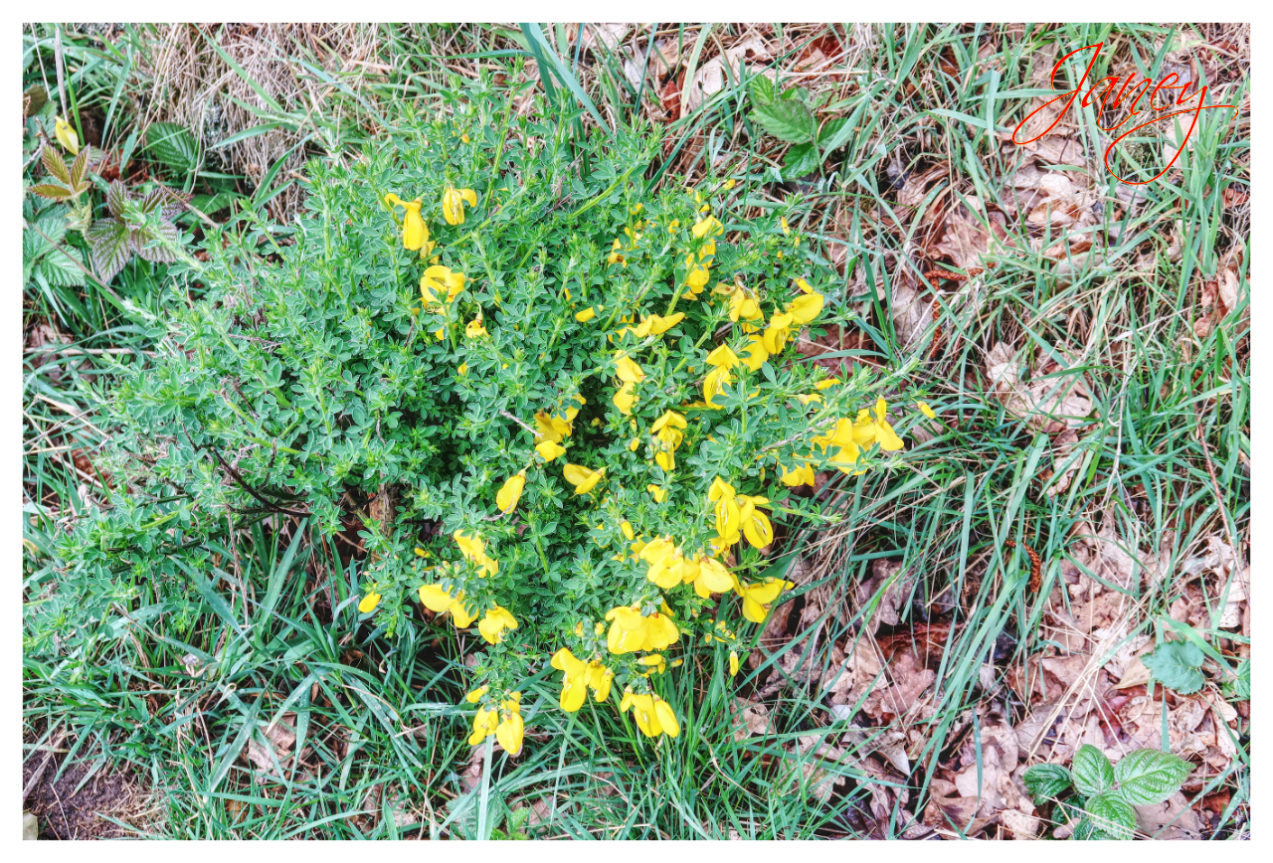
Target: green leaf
{"x":1239,"y":688}
{"x":78,"y":169}
{"x":1149,"y":776}
{"x":156,"y":242}
{"x":117,"y":198}
{"x":172,"y":144}
{"x":52,"y":192}
{"x":110,"y":247}
{"x":761,"y":90}
{"x":55,"y":164}
{"x":1047,"y":781}
{"x":1093,"y":773}
{"x":787,"y":120}
{"x":64,"y":267}
{"x":1112,"y":815}
{"x":1176,"y":664}
{"x":801,"y":160}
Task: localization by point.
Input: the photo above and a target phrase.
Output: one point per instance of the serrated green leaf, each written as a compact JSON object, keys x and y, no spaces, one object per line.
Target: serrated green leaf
{"x":801,"y":160}
{"x":1112,"y":815}
{"x":786,"y":119}
{"x":1093,"y":773}
{"x":172,"y":144}
{"x":52,"y":192}
{"x":1176,"y":664}
{"x":64,"y":267}
{"x":761,"y":90}
{"x":156,"y":242}
{"x":110,"y":247}
{"x":1047,"y":781}
{"x":117,"y":199}
{"x":1239,"y":688}
{"x":78,"y":168}
{"x":55,"y":164}
{"x":1149,"y":776}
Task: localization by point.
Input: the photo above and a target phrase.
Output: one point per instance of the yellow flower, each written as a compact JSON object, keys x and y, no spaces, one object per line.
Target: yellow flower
{"x":574,"y":688}
{"x":778,"y":331}
{"x":712,"y":576}
{"x":926,"y":410}
{"x":668,"y":429}
{"x":494,"y":623}
{"x":475,"y":329}
{"x":453,"y":201}
{"x":625,"y":398}
{"x":476,"y":695}
{"x":627,"y":369}
{"x":757,"y":355}
{"x":555,"y":428}
{"x":549,"y":449}
{"x":733,"y":663}
{"x":369,"y":603}
{"x":730,"y":183}
{"x":444,"y":280}
{"x":657,"y":325}
{"x":461,"y":614}
{"x":728,"y":513}
{"x":665,"y":460}
{"x":659,"y":494}
{"x":713,"y":383}
{"x":758,"y":597}
{"x":798,"y":476}
{"x":474,"y":550}
{"x":867,"y":431}
{"x":723,"y":358}
{"x":435,"y":598}
{"x":511,"y":729}
{"x":582,"y":478}
{"x":805,"y":307}
{"x":630,"y":631}
{"x":664,"y":560}
{"x":755,"y":524}
{"x":485,"y":722}
{"x":586,"y":315}
{"x":510,"y":492}
{"x":653,"y":715}
{"x":66,"y":136}
{"x":786,"y":229}
{"x":463,"y":369}
{"x":696,"y":276}
{"x":743,"y":305}
{"x":415,"y":233}
{"x":710,"y":226}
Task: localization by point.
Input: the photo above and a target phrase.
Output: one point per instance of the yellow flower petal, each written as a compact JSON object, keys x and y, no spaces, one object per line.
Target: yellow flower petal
{"x":510,"y":492}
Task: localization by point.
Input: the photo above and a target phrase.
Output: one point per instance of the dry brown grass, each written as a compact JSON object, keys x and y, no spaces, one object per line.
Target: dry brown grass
{"x":192,"y":84}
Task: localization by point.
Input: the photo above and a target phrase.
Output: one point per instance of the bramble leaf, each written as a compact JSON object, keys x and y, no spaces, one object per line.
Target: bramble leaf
{"x":55,"y":164}
{"x":52,"y":192}
{"x":1047,"y":781}
{"x":1176,"y":665}
{"x":110,"y":246}
{"x":1093,"y":773}
{"x":786,"y":119}
{"x":1112,"y":815}
{"x":1149,"y":776}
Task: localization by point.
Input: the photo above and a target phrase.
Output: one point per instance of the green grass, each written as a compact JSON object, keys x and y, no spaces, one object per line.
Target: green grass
{"x":178,"y":687}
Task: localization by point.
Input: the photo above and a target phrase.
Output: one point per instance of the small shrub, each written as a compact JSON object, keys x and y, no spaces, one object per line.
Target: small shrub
{"x":1098,"y":796}
{"x":560,"y":409}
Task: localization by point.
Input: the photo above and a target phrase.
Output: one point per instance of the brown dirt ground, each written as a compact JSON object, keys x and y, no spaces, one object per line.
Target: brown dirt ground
{"x":67,"y":807}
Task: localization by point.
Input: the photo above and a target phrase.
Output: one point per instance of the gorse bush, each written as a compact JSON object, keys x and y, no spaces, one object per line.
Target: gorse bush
{"x":563,"y":411}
